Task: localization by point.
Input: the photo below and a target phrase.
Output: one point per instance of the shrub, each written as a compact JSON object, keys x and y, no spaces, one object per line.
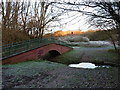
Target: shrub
{"x":96,"y":36}
{"x":11,"y":36}
{"x":73,"y":38}
{"x":78,"y":39}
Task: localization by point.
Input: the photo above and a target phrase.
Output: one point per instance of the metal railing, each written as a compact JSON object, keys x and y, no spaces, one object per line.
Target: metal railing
{"x":20,"y":47}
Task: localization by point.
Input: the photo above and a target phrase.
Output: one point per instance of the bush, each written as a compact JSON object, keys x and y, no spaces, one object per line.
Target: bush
{"x":11,"y":36}
{"x":78,"y":39}
{"x":73,"y":38}
{"x":96,"y":36}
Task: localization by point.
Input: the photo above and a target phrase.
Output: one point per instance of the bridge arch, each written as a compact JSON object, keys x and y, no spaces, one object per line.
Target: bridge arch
{"x":54,"y":52}
{"x":51,"y":54}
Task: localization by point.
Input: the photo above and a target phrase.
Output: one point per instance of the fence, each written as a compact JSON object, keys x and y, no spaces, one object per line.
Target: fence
{"x":20,"y":47}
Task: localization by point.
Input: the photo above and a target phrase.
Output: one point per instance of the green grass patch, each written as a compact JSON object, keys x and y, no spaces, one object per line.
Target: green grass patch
{"x":87,"y":45}
{"x":72,"y":56}
{"x":79,"y":53}
{"x":113,"y":50}
{"x":30,"y":68}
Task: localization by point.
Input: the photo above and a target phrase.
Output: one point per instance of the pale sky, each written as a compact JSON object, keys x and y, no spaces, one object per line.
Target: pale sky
{"x":77,"y":22}
{"x":74,"y":21}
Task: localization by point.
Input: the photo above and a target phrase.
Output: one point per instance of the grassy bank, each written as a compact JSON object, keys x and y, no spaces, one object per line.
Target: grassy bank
{"x":30,"y":68}
{"x":79,"y":54}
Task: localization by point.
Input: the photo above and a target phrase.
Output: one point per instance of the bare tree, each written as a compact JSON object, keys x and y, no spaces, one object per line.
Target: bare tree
{"x":101,"y":14}
{"x":34,"y":17}
{"x":15,"y":16}
{"x":6,"y":11}
{"x":44,"y":16}
{"x":25,"y":15}
{"x":10,"y":14}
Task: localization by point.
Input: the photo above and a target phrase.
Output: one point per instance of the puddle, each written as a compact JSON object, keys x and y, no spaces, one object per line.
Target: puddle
{"x":86,"y":65}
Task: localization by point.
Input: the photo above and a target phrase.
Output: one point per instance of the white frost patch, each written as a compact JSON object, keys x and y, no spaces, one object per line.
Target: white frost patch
{"x":83,"y":65}
{"x":87,"y":65}
{"x":100,"y":43}
{"x":75,"y":47}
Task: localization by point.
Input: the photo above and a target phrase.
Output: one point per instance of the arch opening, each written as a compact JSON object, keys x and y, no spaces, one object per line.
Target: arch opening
{"x":50,"y":55}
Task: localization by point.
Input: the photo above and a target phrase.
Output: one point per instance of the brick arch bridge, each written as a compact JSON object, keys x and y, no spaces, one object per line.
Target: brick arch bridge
{"x":36,"y":53}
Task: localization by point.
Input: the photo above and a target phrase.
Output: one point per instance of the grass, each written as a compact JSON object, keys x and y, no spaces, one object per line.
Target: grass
{"x":80,"y":54}
{"x":69,"y":57}
{"x":31,"y":68}
{"x":92,"y":44}
{"x":113,"y":50}
{"x":87,"y":46}
{"x":34,"y":74}
{"x":20,"y":74}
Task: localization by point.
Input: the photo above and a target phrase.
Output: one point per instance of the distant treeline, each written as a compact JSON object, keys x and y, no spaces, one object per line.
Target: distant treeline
{"x":100,"y":35}
{"x":11,"y":36}
{"x":93,"y":35}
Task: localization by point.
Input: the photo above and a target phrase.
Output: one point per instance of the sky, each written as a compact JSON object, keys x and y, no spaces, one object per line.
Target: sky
{"x":74,"y":21}
{"x":77,"y":22}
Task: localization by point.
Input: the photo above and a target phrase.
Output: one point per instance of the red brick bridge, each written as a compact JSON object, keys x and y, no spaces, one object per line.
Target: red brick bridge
{"x":37,"y":53}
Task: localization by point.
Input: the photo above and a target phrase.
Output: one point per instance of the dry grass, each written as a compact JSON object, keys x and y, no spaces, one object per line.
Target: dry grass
{"x":10,"y":36}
